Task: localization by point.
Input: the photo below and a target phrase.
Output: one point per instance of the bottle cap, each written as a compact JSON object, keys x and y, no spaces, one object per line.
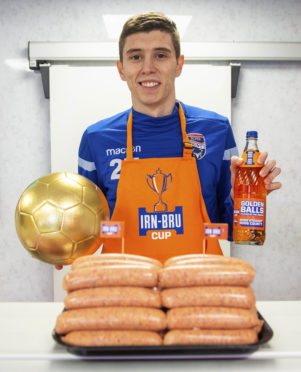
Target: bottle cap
{"x":252,"y":133}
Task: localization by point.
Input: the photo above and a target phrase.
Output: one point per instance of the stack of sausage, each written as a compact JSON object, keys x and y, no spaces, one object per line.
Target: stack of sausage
{"x":118,"y":300}
{"x":210,"y":300}
{"x":112,"y":301}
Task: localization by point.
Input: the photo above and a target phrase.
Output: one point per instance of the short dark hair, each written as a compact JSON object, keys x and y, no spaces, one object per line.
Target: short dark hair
{"x":146,"y":22}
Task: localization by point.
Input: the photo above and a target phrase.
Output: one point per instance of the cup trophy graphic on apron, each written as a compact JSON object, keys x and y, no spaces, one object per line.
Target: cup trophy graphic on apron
{"x":159,"y":182}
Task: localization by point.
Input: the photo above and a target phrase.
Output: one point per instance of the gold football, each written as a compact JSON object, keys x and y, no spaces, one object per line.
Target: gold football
{"x":58,"y":217}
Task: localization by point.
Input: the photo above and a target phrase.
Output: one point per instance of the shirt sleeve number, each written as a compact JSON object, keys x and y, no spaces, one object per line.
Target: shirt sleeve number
{"x":116,"y":172}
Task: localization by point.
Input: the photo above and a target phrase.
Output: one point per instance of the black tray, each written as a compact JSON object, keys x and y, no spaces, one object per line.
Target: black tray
{"x":174,"y":352}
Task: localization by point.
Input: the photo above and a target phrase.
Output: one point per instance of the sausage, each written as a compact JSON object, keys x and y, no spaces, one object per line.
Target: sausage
{"x":117,"y":275}
{"x":111,"y":262}
{"x":211,"y":318}
{"x":208,"y":275}
{"x":210,"y":337}
{"x":205,"y":259}
{"x":242,"y":297}
{"x":111,"y":318}
{"x":258,"y":327}
{"x":115,"y":256}
{"x":113,"y":296}
{"x":112,"y":338}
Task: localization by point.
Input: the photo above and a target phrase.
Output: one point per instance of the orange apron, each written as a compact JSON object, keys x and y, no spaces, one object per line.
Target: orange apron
{"x":160,"y":201}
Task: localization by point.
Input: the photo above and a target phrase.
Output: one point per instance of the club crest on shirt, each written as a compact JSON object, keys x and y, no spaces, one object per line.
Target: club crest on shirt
{"x":199,"y":145}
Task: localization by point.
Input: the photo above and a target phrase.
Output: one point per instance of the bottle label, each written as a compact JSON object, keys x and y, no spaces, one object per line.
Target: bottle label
{"x":249,"y":213}
{"x":250,"y":158}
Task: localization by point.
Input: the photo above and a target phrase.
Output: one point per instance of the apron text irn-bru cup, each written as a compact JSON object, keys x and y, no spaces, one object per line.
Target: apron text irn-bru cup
{"x":249,"y":197}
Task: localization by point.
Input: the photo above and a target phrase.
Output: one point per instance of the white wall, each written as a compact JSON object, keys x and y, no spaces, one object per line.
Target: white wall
{"x":268,"y":100}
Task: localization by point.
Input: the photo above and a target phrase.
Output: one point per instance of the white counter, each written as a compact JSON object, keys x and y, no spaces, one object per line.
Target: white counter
{"x":26,"y":344}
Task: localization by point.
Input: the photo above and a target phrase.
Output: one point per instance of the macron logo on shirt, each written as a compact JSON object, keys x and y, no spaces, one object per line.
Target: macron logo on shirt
{"x":121,"y":150}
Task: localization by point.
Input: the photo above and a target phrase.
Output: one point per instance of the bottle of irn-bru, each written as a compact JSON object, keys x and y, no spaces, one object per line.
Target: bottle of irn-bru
{"x":249,"y":197}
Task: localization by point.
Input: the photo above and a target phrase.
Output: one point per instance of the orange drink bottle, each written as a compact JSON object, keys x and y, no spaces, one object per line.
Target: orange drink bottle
{"x":249,"y":197}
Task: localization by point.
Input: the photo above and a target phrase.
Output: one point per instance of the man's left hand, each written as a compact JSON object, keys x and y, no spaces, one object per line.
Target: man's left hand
{"x":269,"y":172}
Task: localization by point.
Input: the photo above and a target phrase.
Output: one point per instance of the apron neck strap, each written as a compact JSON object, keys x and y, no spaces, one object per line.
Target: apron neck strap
{"x":129,"y":137}
{"x":187,"y":146}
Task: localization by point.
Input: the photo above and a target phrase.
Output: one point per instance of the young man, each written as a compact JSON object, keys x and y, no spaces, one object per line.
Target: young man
{"x":176,"y":175}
